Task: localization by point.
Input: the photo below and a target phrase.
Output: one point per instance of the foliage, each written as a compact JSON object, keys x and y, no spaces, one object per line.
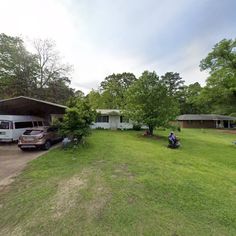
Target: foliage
{"x":40,"y":75}
{"x":192,"y":102}
{"x":173,"y":82}
{"x":147,"y":102}
{"x":137,"y":127}
{"x":96,"y":99}
{"x":17,"y":68}
{"x":77,"y":120}
{"x":114,"y":87}
{"x":220,"y":90}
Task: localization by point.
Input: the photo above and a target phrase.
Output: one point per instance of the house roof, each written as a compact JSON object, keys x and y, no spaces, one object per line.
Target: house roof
{"x":109,"y":111}
{"x":204,"y":117}
{"x":29,"y":106}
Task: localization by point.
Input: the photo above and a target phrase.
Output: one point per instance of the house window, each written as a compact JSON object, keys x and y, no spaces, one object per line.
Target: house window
{"x":102,"y":119}
{"x":124,"y":119}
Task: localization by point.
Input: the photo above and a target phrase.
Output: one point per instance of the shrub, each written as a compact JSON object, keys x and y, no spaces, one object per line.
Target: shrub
{"x":77,"y":120}
{"x":137,"y":127}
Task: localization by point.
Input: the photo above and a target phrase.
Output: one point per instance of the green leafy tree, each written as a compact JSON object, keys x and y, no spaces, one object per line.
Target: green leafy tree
{"x":58,"y":91}
{"x":220,"y":89}
{"x":173,"y":82}
{"x":148,"y":102}
{"x":77,"y":120}
{"x":17,"y":68}
{"x":192,"y":100}
{"x":96,"y":99}
{"x":113,"y":89}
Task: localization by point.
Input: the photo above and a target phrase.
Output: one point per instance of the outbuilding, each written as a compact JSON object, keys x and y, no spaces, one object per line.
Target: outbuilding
{"x":206,"y":121}
{"x":30,"y":106}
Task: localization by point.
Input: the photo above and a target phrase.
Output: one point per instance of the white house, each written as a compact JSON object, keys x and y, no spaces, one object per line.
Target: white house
{"x":111,"y":119}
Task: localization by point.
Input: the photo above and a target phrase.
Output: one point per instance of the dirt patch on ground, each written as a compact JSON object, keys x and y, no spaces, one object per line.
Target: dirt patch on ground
{"x":100,"y":198}
{"x":227,"y":131}
{"x":69,"y":195}
{"x":122,"y":171}
{"x":12,"y":232}
{"x":66,"y":195}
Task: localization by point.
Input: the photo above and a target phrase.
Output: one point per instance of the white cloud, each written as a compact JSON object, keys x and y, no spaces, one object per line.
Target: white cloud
{"x":104,"y":37}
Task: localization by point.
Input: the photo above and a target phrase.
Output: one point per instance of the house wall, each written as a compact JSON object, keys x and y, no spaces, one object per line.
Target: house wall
{"x":114,"y":123}
{"x":197,"y":124}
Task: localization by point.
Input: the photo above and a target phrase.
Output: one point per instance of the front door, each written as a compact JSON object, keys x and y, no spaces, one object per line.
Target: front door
{"x":114,"y":122}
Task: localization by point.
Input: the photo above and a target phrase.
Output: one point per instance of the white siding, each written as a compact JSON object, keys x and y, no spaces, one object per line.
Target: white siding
{"x":114,"y":123}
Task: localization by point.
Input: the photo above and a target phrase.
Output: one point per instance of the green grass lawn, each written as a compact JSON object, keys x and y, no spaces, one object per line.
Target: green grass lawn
{"x":121,"y":183}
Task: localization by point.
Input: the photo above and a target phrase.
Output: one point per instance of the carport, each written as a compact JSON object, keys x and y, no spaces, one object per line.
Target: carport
{"x":30,"y":106}
{"x":12,"y":159}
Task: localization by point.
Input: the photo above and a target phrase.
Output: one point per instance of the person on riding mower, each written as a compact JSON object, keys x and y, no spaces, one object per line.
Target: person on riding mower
{"x":172,"y":138}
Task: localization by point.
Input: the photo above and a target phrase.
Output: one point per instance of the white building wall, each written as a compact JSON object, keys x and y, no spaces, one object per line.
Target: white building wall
{"x":102,"y":125}
{"x":114,"y":123}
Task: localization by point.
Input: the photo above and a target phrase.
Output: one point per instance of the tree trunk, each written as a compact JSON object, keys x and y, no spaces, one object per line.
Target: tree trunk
{"x":150,"y":130}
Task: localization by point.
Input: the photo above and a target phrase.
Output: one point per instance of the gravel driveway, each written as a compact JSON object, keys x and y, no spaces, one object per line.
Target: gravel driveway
{"x":13,"y":161}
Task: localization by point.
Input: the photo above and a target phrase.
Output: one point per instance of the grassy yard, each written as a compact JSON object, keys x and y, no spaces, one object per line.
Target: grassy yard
{"x":121,"y":183}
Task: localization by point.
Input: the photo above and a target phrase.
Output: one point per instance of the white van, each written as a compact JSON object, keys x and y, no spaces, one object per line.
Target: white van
{"x":12,"y":127}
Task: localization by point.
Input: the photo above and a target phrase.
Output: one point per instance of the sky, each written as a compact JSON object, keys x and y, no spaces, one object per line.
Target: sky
{"x":101,"y":37}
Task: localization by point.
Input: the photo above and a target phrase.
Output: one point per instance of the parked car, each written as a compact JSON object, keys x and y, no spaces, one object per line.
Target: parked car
{"x":41,"y":138}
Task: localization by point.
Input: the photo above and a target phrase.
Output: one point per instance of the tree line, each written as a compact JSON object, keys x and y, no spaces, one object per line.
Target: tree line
{"x":217,"y":96}
{"x":43,"y":75}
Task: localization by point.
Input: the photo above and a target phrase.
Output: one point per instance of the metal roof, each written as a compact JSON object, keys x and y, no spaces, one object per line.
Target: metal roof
{"x":29,"y":106}
{"x":204,"y":117}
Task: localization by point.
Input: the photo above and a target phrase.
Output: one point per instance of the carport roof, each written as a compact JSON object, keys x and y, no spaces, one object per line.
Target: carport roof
{"x":29,"y":106}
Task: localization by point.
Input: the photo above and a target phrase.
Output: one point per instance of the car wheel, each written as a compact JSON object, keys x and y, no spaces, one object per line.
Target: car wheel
{"x":47,"y":145}
{"x":23,"y":149}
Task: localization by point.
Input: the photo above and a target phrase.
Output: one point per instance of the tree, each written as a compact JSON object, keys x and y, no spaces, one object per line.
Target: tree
{"x":77,"y":120}
{"x":58,"y":91}
{"x":192,"y":101}
{"x":114,"y":87}
{"x":38,"y":75}
{"x":220,"y":89}
{"x":173,"y":82}
{"x":49,"y":64}
{"x":147,"y":102}
{"x":73,"y":100}
{"x":17,"y":68}
{"x":96,"y":100}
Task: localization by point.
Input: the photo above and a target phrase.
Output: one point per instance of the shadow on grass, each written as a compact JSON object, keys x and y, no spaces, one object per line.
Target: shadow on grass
{"x":153,"y":137}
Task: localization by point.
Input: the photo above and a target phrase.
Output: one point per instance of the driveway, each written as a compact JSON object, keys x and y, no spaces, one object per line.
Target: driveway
{"x":13,"y":161}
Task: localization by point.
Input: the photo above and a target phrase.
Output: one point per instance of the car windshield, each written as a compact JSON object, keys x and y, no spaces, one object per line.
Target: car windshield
{"x":32,"y":132}
{"x":4,"y":124}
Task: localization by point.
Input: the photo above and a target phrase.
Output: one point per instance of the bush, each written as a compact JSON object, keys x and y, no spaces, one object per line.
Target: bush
{"x":137,"y":127}
{"x":77,"y":120}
